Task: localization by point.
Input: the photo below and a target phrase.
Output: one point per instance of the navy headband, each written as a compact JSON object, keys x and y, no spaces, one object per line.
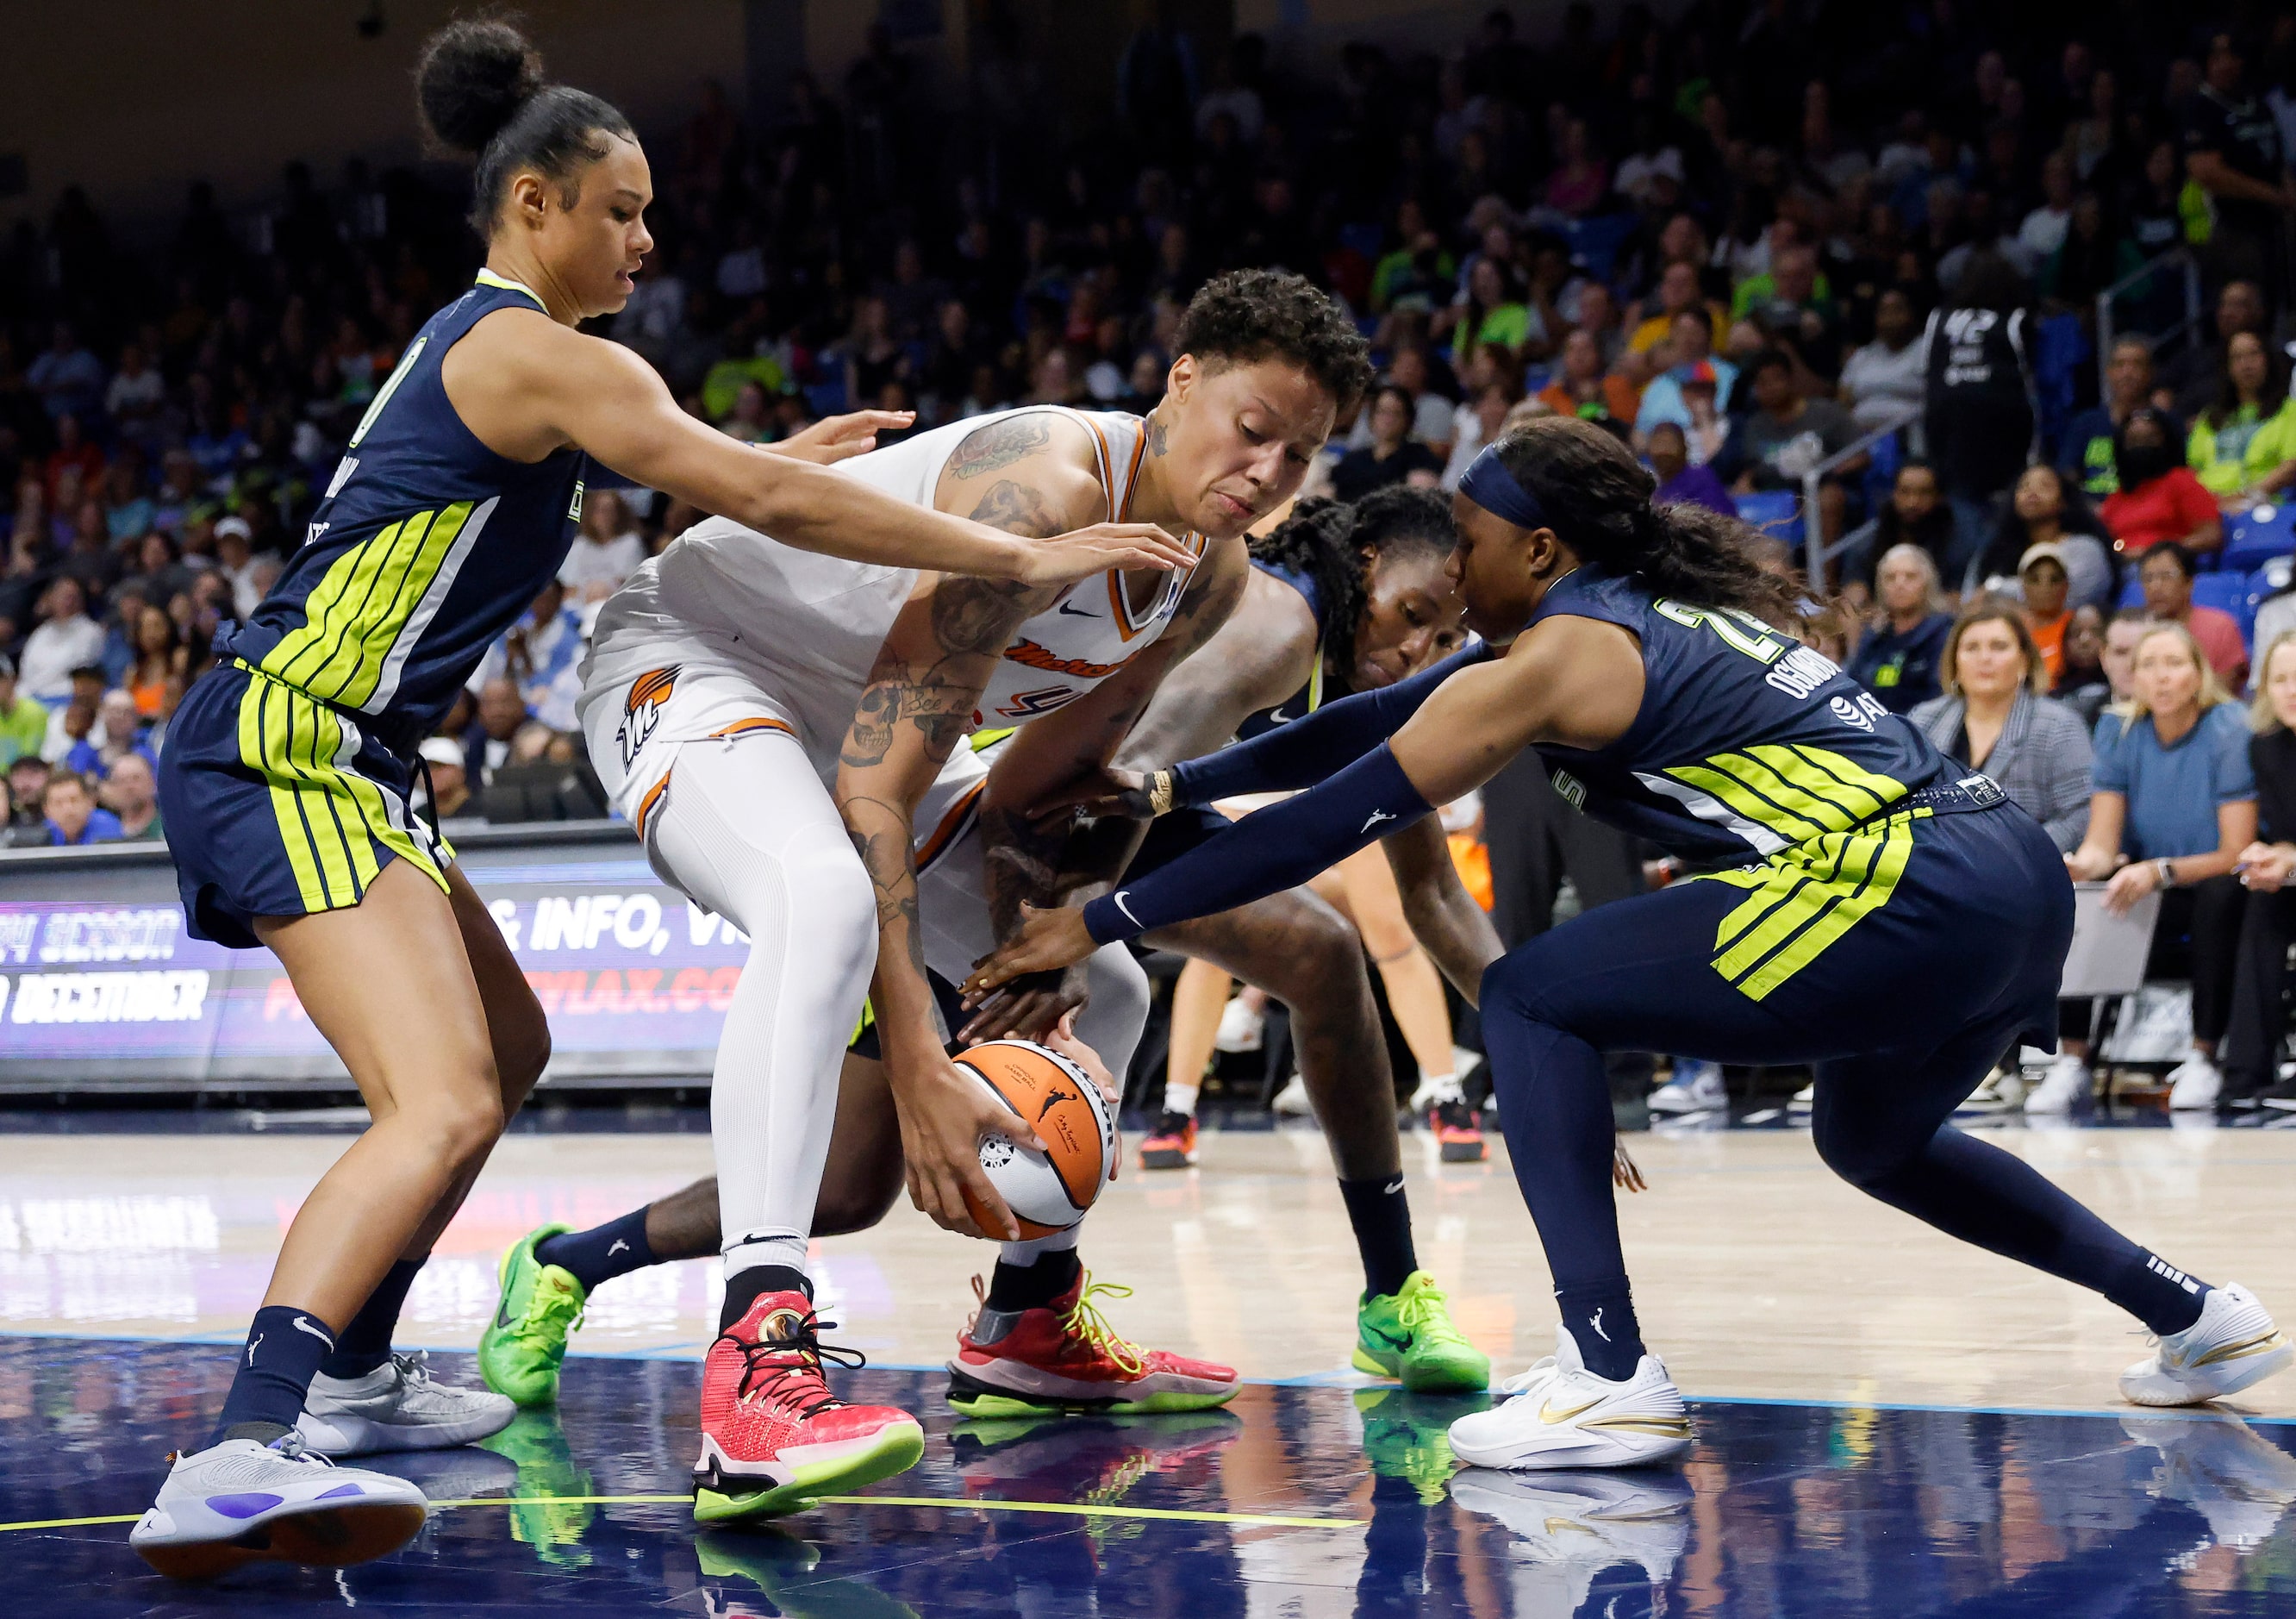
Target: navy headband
{"x":1490,"y":486}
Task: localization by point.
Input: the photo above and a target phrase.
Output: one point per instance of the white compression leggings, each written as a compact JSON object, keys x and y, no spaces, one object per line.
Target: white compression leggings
{"x":747,"y":830}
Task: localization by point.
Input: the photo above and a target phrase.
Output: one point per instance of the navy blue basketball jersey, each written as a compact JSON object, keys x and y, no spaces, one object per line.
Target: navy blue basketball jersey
{"x":1747,"y":743}
{"x":426,"y":548}
{"x":1309,"y":697}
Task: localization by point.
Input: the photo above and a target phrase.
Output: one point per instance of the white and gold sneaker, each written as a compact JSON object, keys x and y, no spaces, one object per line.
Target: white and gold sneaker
{"x":2234,"y":1345}
{"x":1564,"y":1416}
{"x":1571,"y":1527}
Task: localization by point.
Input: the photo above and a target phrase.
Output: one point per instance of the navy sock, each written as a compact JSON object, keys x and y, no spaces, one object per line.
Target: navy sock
{"x":1017,"y":1287}
{"x":283,"y":1349}
{"x":366,"y":1343}
{"x":1381,"y":1215}
{"x":1555,"y":1106}
{"x":1601,"y":1316}
{"x":602,"y":1252}
{"x":744,"y":1288}
{"x":2159,"y":1294}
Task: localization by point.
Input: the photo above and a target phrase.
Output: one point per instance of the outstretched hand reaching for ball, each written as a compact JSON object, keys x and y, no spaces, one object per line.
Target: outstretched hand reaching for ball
{"x":1047,"y":942}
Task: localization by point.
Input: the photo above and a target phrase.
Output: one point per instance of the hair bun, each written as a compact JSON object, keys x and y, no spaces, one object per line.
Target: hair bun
{"x":473,"y":77}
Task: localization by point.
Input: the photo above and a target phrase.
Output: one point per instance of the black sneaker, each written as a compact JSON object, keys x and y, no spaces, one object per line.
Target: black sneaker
{"x":1172,"y":1144}
{"x":2281,"y":1097}
{"x":1458,"y":1133}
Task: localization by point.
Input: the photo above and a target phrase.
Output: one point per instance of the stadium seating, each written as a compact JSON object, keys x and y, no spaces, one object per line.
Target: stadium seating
{"x":2258,"y":534}
{"x":1776,"y":513}
{"x":2226,"y":592}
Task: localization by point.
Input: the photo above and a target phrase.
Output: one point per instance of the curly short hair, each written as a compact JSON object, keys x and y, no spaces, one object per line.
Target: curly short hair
{"x":1248,"y":316}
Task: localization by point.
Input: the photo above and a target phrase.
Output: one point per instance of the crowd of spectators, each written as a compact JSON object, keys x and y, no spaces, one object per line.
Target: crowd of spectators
{"x":1760,"y":242}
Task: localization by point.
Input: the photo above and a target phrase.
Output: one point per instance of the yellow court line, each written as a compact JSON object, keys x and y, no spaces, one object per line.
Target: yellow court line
{"x":943,"y":1503}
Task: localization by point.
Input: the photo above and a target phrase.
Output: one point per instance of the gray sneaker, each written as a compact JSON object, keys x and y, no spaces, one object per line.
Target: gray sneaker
{"x":397,"y":1406}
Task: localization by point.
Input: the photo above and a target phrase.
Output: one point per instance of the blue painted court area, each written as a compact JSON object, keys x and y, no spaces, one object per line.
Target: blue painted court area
{"x":1301,"y":1502}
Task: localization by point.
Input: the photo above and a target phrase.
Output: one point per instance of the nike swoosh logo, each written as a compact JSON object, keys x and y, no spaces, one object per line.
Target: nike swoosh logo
{"x":1547,"y":1413}
{"x":1278,"y":717}
{"x":316,"y":1331}
{"x":1389,"y":1338}
{"x":1393,"y":1187}
{"x":1119,"y":898}
{"x":1077,"y":612}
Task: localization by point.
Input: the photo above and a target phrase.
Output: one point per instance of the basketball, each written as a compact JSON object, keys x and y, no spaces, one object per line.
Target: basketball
{"x":1047,"y":1192}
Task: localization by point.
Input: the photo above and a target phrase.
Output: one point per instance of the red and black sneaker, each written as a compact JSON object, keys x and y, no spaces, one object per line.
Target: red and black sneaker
{"x":1064,"y":1357}
{"x":1458,"y":1134}
{"x":774,"y":1438}
{"x":1173,"y":1145}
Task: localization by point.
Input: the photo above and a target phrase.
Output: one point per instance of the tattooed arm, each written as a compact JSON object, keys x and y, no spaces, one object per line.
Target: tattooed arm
{"x":915,"y":713}
{"x":1265,"y":651}
{"x":1037,"y":860}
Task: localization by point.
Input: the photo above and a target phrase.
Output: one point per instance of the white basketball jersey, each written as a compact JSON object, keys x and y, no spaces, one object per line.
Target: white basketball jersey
{"x":807,"y":627}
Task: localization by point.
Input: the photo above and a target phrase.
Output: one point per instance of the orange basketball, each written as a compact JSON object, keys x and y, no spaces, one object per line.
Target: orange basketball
{"x":1048,"y":1191}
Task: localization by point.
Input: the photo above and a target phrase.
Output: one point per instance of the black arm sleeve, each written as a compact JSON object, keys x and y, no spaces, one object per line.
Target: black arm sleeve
{"x":1305,"y":751}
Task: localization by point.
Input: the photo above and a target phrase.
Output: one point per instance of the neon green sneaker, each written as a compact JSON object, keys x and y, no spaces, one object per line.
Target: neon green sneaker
{"x":520,"y":1350}
{"x":550,"y":1510}
{"x":1406,"y":1440}
{"x":780,"y":1567}
{"x":1410,"y":1335}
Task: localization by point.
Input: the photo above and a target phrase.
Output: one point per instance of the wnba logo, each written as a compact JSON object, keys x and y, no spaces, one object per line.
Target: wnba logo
{"x":641,"y":711}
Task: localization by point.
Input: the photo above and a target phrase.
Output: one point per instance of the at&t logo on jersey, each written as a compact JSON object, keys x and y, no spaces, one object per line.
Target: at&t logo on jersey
{"x":641,"y":711}
{"x":1861,"y":711}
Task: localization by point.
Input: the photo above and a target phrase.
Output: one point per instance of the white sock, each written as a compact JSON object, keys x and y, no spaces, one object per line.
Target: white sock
{"x":767,"y":1247}
{"x":1180,"y":1099}
{"x":1029,"y":1253}
{"x":1436,"y":1088}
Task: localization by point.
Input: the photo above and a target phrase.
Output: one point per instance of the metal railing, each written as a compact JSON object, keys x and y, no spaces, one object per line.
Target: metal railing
{"x":1816,"y":552}
{"x":2183,"y":256}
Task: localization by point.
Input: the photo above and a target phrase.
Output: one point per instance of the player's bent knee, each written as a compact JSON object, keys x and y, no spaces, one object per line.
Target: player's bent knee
{"x":522,"y":1063}
{"x":1113,"y":1019}
{"x":461,"y":1126}
{"x":1320,"y":966}
{"x":1870,"y":1166}
{"x":832,"y":906}
{"x":1511,"y":984}
{"x":858,"y":1204}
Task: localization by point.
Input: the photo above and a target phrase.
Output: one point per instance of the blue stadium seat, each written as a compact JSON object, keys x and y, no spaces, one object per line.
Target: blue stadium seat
{"x":2061,"y":352}
{"x":2258,"y":534}
{"x":2226,"y":593}
{"x":1595,"y":243}
{"x":1776,"y":513}
{"x":1887,"y":456}
{"x":2132,"y":593}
